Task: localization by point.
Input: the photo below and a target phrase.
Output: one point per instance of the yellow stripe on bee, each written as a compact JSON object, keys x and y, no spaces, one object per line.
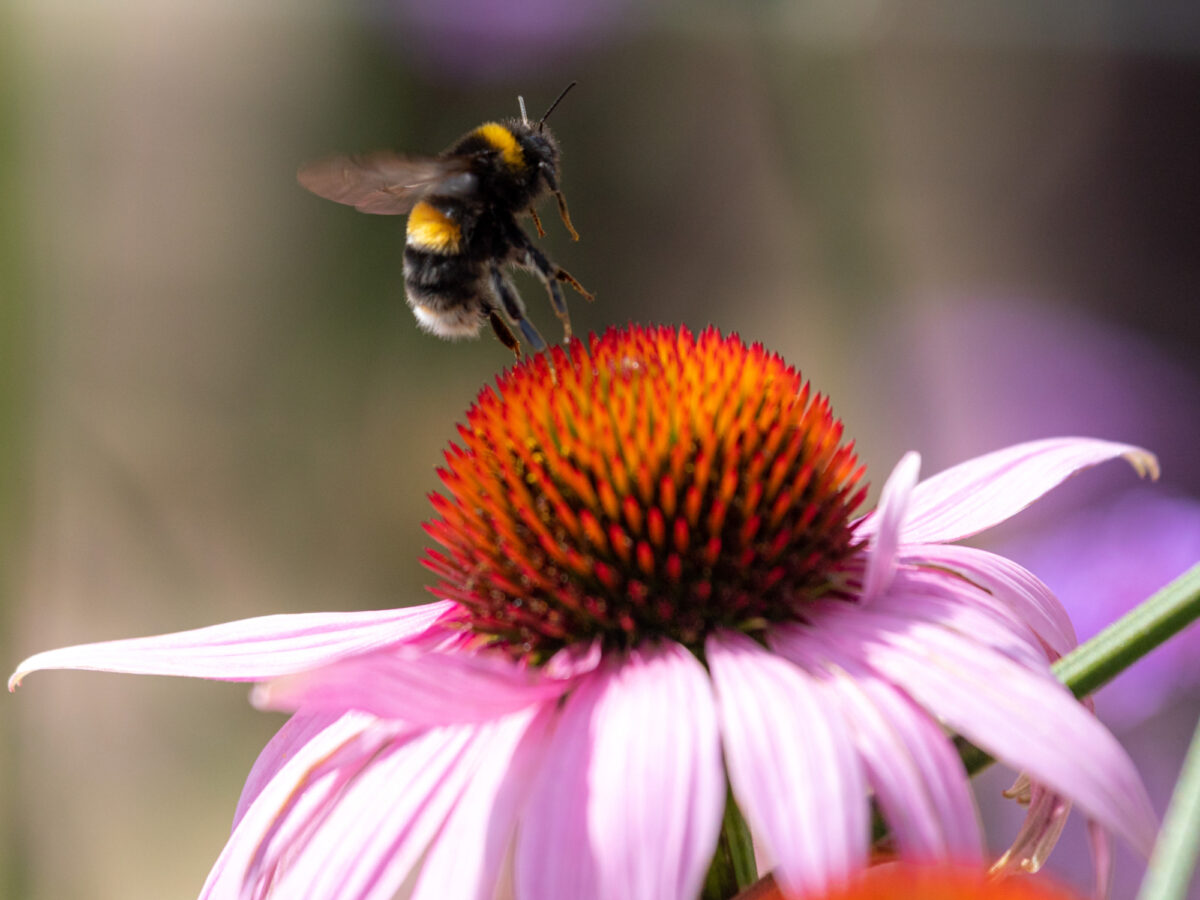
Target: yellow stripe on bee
{"x":431,"y":229}
{"x":504,"y":141}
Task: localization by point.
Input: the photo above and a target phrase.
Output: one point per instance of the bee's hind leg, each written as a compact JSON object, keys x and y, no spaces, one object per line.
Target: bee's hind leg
{"x":503,"y":332}
{"x":515,"y":310}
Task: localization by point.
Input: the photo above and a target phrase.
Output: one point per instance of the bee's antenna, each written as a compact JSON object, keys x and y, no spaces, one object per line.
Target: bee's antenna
{"x":521,"y":103}
{"x":546,"y":115}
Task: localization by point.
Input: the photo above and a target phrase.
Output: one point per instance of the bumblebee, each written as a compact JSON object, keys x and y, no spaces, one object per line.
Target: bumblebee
{"x":462,"y":232}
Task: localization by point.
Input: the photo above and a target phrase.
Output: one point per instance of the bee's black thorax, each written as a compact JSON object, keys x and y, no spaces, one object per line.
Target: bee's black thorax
{"x":507,"y":161}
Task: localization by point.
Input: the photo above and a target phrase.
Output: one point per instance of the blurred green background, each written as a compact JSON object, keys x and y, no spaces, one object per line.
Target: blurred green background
{"x":215,"y":403}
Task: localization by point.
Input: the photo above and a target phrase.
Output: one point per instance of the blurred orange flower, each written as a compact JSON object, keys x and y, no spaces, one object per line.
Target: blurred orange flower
{"x":899,"y":881}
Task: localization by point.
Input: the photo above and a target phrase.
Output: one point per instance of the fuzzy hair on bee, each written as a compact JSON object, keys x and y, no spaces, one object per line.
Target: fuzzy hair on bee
{"x":463,"y":235}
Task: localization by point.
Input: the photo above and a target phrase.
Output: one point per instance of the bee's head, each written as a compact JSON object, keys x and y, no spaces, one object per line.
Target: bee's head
{"x":540,"y":147}
{"x":540,"y":150}
{"x":541,"y":156}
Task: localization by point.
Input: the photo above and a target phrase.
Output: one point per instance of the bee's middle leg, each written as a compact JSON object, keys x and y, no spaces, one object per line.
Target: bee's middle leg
{"x":551,"y":274}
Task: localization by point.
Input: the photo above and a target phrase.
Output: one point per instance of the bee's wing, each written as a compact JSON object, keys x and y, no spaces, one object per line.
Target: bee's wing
{"x":385,"y":183}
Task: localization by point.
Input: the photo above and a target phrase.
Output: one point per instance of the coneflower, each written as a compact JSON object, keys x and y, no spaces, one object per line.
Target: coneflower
{"x":656,"y":593}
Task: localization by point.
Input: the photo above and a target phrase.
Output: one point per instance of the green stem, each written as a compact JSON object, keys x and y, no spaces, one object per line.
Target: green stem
{"x":1091,"y":665}
{"x":1174,"y":856}
{"x":733,"y":867}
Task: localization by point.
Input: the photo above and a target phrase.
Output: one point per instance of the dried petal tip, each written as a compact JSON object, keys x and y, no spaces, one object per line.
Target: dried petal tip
{"x":1144,"y":463}
{"x":649,"y":483}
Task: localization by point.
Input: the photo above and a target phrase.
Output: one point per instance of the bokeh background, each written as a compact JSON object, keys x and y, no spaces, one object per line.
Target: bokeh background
{"x":969,"y":223}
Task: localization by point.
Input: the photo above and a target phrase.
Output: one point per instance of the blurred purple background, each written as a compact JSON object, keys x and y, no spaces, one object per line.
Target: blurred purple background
{"x":969,"y":224}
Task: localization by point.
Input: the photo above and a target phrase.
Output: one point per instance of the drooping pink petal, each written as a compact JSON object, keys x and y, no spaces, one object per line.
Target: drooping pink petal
{"x":1046,"y":816}
{"x":1010,"y":583}
{"x":1100,"y":842}
{"x":928,"y":786}
{"x":248,"y":649}
{"x":792,"y":763}
{"x":414,"y":687}
{"x":973,"y":496}
{"x":229,"y":876}
{"x":287,"y":742}
{"x":913,"y":768}
{"x":367,"y":844}
{"x":554,"y":855}
{"x":922,"y":599}
{"x":629,"y":800}
{"x":297,"y":819}
{"x":893,"y":507}
{"x":465,"y":860}
{"x":657,"y":789}
{"x":1025,"y":719}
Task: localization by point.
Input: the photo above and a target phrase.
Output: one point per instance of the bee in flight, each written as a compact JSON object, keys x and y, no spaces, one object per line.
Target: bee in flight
{"x":462,"y":233}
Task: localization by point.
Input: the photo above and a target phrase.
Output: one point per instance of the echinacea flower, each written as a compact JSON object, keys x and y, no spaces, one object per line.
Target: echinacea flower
{"x":654,"y":589}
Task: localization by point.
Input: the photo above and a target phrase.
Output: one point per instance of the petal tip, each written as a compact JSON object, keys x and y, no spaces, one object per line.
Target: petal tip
{"x":263,"y":697}
{"x":1145,"y":832}
{"x":1144,"y":463}
{"x":24,"y":668}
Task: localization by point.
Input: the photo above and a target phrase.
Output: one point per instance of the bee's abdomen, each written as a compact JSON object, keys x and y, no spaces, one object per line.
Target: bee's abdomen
{"x":431,"y":274}
{"x":433,"y":230}
{"x":444,"y":292}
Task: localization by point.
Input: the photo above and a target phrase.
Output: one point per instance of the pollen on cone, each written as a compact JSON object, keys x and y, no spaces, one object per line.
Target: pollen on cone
{"x":647,"y":483}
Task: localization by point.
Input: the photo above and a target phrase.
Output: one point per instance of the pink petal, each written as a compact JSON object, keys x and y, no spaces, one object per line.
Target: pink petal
{"x":415,"y":687}
{"x":1008,"y":582}
{"x":287,"y":742}
{"x":792,"y":763}
{"x":287,"y":786}
{"x":973,"y":496}
{"x":248,"y":649}
{"x":914,"y":770}
{"x":926,"y":601}
{"x":1025,"y":719}
{"x":554,"y":856}
{"x":465,"y":860}
{"x":294,"y":822}
{"x":928,"y":799}
{"x":372,"y":839}
{"x":575,"y":660}
{"x":657,"y":789}
{"x":893,"y":506}
{"x":628,"y":803}
{"x":1100,"y":842}
{"x":1045,"y":818}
